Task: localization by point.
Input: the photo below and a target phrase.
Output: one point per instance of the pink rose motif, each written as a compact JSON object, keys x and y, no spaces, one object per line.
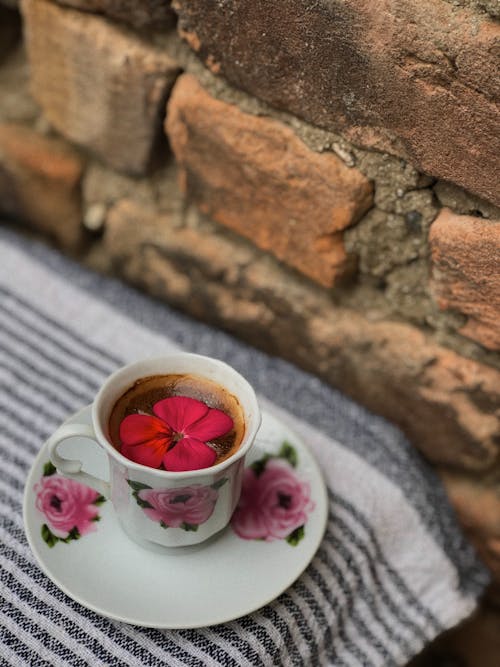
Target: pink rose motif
{"x":66,"y":504}
{"x":273,"y":503}
{"x":187,"y":507}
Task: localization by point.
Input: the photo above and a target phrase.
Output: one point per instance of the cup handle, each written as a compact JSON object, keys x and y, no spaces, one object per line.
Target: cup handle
{"x":72,"y":468}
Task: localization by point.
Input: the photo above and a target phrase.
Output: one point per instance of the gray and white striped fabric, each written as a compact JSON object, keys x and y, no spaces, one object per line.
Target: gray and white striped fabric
{"x":393,"y":570}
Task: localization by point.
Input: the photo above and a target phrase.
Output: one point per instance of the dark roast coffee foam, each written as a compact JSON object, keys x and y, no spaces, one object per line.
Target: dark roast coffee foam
{"x":144,"y":393}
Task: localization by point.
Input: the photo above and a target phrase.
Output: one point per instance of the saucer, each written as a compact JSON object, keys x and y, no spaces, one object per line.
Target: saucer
{"x":225,"y":578}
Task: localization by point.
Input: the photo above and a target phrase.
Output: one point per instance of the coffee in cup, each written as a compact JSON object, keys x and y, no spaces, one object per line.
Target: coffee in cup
{"x":157,"y":506}
{"x":146,"y":397}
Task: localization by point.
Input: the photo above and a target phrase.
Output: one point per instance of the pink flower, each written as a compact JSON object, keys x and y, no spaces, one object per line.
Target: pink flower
{"x":176,"y":436}
{"x":191,"y":505}
{"x":66,"y":504}
{"x":272,"y":504}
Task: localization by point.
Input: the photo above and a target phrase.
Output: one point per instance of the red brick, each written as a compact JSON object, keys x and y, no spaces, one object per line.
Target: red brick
{"x":445,"y":403}
{"x":40,"y":182}
{"x":254,"y":175}
{"x":466,"y":272}
{"x":416,"y":79}
{"x":478,"y":507}
{"x":153,"y":14}
{"x":100,"y":85}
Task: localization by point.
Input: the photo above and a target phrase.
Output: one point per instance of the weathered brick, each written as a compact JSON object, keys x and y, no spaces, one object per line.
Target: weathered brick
{"x":10,"y":30}
{"x":254,"y":175}
{"x":466,"y":272}
{"x":478,"y":507}
{"x":98,"y":84}
{"x":444,"y":402}
{"x":16,"y":103}
{"x":416,"y":79}
{"x":40,"y":182}
{"x":152,"y":14}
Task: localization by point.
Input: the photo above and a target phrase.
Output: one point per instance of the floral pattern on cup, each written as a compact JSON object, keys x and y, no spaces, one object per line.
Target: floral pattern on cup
{"x":70,"y":508}
{"x":275,"y":503}
{"x":186,"y":507}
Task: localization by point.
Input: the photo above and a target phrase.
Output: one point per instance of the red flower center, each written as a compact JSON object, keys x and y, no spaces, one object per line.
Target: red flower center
{"x":176,"y":436}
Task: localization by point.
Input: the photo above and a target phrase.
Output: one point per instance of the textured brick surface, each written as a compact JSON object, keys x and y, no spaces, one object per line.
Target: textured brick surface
{"x":99,"y":85}
{"x":466,"y":272}
{"x":16,"y":103}
{"x":255,"y":176}
{"x":40,"y":182}
{"x":155,"y":14}
{"x":417,"y":79}
{"x":445,"y":403}
{"x":490,"y":6}
{"x":478,"y":507}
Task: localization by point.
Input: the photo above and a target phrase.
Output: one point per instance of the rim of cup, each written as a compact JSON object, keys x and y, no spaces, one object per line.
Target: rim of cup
{"x":250,"y":407}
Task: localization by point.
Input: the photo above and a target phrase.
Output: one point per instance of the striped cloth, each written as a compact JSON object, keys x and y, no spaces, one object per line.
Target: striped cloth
{"x":392,"y":572}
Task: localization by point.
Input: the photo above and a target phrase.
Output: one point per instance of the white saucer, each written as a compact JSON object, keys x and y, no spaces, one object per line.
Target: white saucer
{"x":218,"y":582}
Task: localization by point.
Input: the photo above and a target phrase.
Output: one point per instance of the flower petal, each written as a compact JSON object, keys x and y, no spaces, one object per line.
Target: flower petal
{"x":212,"y":425}
{"x":149,"y":453}
{"x":135,"y":429}
{"x":180,"y":411}
{"x":189,"y":454}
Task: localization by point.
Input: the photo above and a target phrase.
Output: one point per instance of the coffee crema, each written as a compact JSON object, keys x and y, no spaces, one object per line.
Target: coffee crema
{"x":141,"y":397}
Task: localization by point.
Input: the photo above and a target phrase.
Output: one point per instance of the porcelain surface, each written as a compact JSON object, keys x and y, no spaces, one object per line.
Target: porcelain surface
{"x":274,"y":534}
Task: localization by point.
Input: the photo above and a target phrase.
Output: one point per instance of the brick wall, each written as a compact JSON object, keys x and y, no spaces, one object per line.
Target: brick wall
{"x":320,"y":179}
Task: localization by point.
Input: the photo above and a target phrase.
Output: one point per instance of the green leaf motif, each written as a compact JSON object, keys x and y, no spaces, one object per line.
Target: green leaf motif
{"x":137,"y":486}
{"x":49,"y":469}
{"x":260,"y":465}
{"x":189,"y":526}
{"x":288,"y":452}
{"x":294,"y":538}
{"x":163,"y":524}
{"x":99,"y":500}
{"x":141,"y":502}
{"x":48,"y":536}
{"x":51,"y":540}
{"x":73,"y":534}
{"x":220,"y":483}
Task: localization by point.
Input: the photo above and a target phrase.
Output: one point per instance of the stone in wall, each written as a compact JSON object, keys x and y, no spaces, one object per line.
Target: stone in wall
{"x":40,"y":183}
{"x":466,"y":272}
{"x":153,"y":14}
{"x":445,"y":403}
{"x":255,"y":176}
{"x":477,"y":504}
{"x":16,"y":104}
{"x":99,"y":85}
{"x":416,"y":79}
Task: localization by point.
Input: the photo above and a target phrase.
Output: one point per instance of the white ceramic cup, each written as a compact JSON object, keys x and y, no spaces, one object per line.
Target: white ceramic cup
{"x":160,"y":507}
